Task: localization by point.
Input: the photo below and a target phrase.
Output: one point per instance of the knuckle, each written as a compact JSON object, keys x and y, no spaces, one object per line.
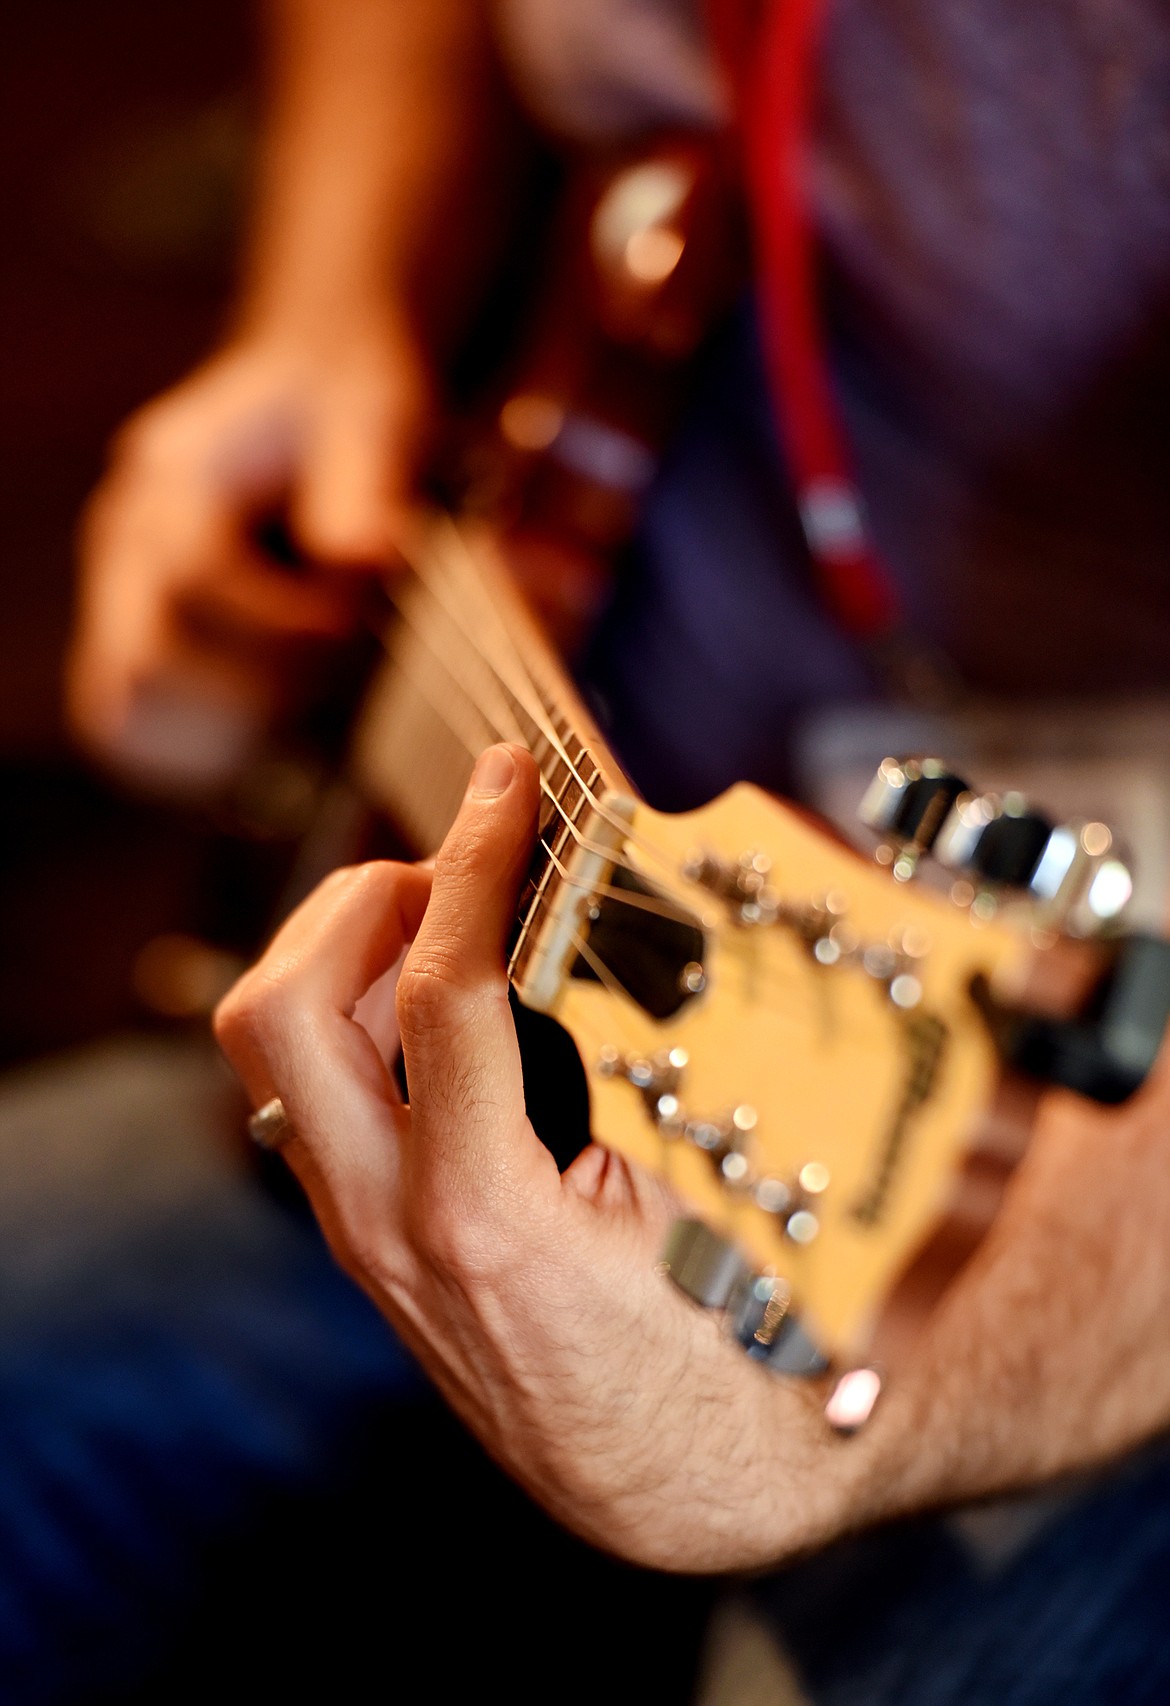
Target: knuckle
{"x":439,"y":999}
{"x":251,"y":1012}
{"x":342,"y":879}
{"x":364,"y":1236}
{"x":432,"y":994}
{"x":359,"y":881}
{"x":353,"y":1244}
{"x":368,"y":889}
{"x":147,"y":436}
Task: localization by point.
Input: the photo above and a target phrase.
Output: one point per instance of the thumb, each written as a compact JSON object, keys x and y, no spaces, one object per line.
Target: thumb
{"x":354,"y":485}
{"x":347,"y":502}
{"x":458,"y":1039}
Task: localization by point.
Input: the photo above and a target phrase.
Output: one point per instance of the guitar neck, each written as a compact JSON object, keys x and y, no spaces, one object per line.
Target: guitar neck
{"x":466,"y":666}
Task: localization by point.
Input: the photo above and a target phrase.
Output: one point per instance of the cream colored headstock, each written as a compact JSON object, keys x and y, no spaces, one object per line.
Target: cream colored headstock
{"x":839,"y":1102}
{"x":839,"y":1090}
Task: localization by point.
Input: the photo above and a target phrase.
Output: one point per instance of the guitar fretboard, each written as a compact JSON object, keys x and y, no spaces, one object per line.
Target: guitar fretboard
{"x":467,"y":666}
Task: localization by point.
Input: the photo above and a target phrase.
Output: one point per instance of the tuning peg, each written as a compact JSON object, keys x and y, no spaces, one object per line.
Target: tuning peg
{"x":995,"y":840}
{"x":757,"y":1306}
{"x":907,"y":804}
{"x":1070,"y":871}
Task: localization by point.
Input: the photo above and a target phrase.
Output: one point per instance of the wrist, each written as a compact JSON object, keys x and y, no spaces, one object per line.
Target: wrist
{"x":325,"y":319}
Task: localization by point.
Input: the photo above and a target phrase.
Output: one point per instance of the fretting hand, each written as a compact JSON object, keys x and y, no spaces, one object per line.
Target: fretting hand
{"x":534,"y":1300}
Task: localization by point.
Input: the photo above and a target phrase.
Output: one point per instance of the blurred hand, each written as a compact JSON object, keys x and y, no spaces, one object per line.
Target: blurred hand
{"x":190,"y":638}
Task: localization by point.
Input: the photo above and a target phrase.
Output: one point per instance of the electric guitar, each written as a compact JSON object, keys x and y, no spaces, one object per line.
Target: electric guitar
{"x":836,"y":1066}
{"x":812,"y":1048}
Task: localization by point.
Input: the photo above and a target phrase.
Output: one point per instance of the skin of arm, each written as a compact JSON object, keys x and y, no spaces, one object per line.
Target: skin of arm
{"x":388,"y":157}
{"x":534,"y":1301}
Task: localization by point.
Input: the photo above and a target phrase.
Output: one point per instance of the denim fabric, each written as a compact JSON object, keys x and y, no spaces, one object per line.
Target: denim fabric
{"x":913,"y":1616}
{"x":160,"y":1399}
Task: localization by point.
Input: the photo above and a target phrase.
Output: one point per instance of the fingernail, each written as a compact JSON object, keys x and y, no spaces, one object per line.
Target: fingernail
{"x":494,"y":769}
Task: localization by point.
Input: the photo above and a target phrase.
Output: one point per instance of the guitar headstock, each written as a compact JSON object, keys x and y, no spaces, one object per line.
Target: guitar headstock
{"x":820,"y":1053}
{"x":812,"y":1094}
{"x":797,"y":1036}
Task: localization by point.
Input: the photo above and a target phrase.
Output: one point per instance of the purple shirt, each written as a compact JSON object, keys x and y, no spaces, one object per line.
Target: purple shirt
{"x":992,"y":185}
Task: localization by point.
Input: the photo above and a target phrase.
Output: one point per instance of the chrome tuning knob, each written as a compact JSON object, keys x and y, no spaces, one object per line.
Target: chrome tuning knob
{"x":996,"y":840}
{"x":907,"y":804}
{"x":757,"y":1306}
{"x":1071,"y":872}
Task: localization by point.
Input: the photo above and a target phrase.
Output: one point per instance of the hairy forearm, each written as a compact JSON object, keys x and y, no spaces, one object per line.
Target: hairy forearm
{"x":1051,"y":1353}
{"x":388,"y":151}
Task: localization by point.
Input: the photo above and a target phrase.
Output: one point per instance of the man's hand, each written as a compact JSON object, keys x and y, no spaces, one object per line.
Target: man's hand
{"x":189,"y":637}
{"x":534,"y":1299}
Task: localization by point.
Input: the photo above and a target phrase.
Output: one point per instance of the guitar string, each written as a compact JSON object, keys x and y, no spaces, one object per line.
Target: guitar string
{"x":612,"y":856}
{"x":505,"y":725}
{"x":536,"y":712}
{"x":404,"y":662}
{"x":458,"y":628}
{"x":777,"y":985}
{"x":458,"y":631}
{"x":472,"y":577}
{"x":473,"y":582}
{"x":446,"y":719}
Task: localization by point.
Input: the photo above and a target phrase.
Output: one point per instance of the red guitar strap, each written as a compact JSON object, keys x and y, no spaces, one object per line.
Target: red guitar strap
{"x":770,"y":61}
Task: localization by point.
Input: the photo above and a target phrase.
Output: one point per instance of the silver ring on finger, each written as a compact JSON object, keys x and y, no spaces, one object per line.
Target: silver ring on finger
{"x":268,"y":1127}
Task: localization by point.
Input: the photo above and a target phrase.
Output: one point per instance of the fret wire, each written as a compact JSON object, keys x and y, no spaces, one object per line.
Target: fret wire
{"x":567,"y":828}
{"x":443,"y":713}
{"x":552,"y":861}
{"x":462,"y":552}
{"x":518,"y":710}
{"x":423,"y":565}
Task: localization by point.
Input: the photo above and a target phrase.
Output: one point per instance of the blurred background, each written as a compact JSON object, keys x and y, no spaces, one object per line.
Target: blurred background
{"x":123,"y":162}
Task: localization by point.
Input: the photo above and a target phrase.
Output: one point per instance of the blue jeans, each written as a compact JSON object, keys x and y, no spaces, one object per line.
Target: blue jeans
{"x":217,"y":1462}
{"x":1078,"y":1614}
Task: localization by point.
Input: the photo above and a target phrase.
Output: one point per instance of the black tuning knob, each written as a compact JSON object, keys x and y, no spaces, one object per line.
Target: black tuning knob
{"x":1071,"y":871}
{"x":909,"y":800}
{"x":998,"y":841}
{"x":1011,"y":845}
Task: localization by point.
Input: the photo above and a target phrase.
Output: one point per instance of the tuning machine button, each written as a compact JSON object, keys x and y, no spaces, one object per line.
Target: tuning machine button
{"x":757,"y":1307}
{"x":1071,"y":872}
{"x":907,"y":804}
{"x":995,"y":840}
